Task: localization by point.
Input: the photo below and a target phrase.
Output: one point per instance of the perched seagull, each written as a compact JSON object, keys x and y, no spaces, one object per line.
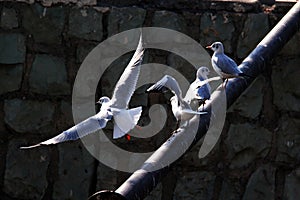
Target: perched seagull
{"x":197,"y":91}
{"x":180,"y":108}
{"x":117,"y":107}
{"x":224,"y":66}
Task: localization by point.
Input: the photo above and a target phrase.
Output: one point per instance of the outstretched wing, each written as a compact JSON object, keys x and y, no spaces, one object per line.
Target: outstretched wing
{"x":226,"y":64}
{"x":170,"y":83}
{"x":82,"y":129}
{"x":126,"y":85}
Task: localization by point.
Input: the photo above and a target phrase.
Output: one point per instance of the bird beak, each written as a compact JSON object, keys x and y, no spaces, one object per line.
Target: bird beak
{"x":208,"y":47}
{"x":98,"y":102}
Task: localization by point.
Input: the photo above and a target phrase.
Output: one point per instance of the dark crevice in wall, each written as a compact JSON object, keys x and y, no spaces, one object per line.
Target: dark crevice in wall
{"x":239,"y":22}
{"x":52,"y":172}
{"x":94,"y":178}
{"x":269,"y":113}
{"x":217,"y":188}
{"x":168,"y":185}
{"x":105,"y":16}
{"x":279,"y":183}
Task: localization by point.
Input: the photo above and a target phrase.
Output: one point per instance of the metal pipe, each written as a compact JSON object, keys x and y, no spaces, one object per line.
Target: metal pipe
{"x":141,"y":182}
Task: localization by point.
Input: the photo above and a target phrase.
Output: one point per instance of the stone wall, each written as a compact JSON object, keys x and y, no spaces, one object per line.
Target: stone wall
{"x":41,"y":49}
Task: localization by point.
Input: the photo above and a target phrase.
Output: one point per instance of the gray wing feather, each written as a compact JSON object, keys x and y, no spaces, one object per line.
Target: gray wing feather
{"x":169,"y":82}
{"x":82,"y":129}
{"x":126,"y":85}
{"x":226,"y":64}
{"x":204,"y":92}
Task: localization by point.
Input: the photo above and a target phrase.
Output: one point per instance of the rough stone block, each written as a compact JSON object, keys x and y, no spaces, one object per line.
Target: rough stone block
{"x":12,"y":48}
{"x":121,"y":19}
{"x":86,"y":24}
{"x":9,"y":19}
{"x":171,"y":20}
{"x":288,"y":141}
{"x":106,"y":178}
{"x":286,"y":87}
{"x":83,"y":50}
{"x":217,"y":27}
{"x":292,"y":47}
{"x":25,"y":174}
{"x":45,"y":24}
{"x":25,"y":116}
{"x":249,"y":104}
{"x":79,"y":3}
{"x":246,"y":142}
{"x":261,"y":185}
{"x":195,"y":185}
{"x":10,"y":78}
{"x":75,"y":172}
{"x":292,"y":185}
{"x":156,"y":193}
{"x":49,"y":76}
{"x":255,"y":28}
{"x":65,"y":120}
{"x":230,"y":190}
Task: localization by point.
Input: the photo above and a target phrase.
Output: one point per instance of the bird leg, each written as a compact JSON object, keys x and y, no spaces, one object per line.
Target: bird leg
{"x":223,"y":80}
{"x":226,"y":81}
{"x":177,"y":126}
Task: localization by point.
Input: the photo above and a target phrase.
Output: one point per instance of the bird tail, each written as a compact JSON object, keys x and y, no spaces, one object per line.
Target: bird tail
{"x":127,"y":119}
{"x":117,"y":132}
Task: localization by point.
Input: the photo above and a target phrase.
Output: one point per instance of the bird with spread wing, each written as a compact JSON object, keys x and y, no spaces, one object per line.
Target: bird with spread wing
{"x":115,"y":108}
{"x":180,"y":107}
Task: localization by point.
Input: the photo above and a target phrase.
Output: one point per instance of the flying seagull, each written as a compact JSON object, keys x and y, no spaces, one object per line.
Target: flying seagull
{"x":224,"y":66}
{"x":180,"y":107}
{"x":117,"y":107}
{"x":197,"y":91}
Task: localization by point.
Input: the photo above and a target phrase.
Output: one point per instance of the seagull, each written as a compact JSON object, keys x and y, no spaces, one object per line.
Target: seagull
{"x":202,"y":92}
{"x":224,"y":66}
{"x":180,"y":107}
{"x":117,"y":107}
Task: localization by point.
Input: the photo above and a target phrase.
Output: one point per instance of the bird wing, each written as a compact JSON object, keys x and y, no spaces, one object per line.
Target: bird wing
{"x":226,"y":64}
{"x":191,"y":94}
{"x":189,"y":111}
{"x":117,"y":132}
{"x":203,"y":92}
{"x":80,"y":130}
{"x":199,"y":87}
{"x":126,"y":85}
{"x":170,"y":83}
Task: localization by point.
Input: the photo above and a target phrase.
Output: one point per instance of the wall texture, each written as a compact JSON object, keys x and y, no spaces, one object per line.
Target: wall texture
{"x":42,"y":45}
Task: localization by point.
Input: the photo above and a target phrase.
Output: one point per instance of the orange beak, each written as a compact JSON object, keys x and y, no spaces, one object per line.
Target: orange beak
{"x":208,"y":47}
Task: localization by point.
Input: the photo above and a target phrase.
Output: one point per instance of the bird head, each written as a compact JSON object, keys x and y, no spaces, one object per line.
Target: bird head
{"x":202,"y":72}
{"x":217,"y":47}
{"x":103,"y":100}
